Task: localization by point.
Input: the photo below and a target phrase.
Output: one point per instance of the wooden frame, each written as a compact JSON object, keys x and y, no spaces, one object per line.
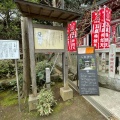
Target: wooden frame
{"x":42,"y":12}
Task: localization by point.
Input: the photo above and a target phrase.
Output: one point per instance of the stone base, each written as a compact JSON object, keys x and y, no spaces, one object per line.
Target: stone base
{"x":32,"y":101}
{"x":66,"y":94}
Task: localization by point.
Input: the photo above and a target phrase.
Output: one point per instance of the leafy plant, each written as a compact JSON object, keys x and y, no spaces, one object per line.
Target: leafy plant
{"x":20,"y":67}
{"x":13,"y":84}
{"x":6,"y":68}
{"x":46,"y":101}
{"x":10,"y":20}
{"x":40,"y":71}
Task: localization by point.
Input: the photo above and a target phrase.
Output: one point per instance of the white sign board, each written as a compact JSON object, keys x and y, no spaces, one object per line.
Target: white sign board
{"x":112,"y":60}
{"x":9,"y":49}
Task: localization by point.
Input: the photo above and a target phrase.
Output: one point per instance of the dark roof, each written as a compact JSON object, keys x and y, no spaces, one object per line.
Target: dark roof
{"x":40,"y":11}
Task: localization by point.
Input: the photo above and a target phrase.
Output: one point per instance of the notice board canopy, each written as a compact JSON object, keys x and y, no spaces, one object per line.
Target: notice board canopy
{"x":43,"y":12}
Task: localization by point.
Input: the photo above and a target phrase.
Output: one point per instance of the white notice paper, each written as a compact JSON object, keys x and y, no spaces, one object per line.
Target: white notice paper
{"x":9,"y":49}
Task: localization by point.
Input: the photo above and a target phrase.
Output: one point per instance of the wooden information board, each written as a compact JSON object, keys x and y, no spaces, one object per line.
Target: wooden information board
{"x":49,"y":38}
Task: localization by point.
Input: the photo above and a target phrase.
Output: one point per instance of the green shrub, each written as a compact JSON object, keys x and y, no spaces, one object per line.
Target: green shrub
{"x":6,"y":68}
{"x":40,"y":71}
{"x":39,"y":57}
{"x":20,"y":67}
{"x":13,"y":84}
{"x":46,"y":101}
{"x":40,"y":66}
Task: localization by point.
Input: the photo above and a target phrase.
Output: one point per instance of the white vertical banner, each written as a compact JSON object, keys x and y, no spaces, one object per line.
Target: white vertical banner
{"x":103,"y":62}
{"x":112,"y":60}
{"x":103,"y":56}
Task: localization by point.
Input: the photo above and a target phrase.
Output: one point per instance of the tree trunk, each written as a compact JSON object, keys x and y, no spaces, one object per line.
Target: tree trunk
{"x":26,"y":58}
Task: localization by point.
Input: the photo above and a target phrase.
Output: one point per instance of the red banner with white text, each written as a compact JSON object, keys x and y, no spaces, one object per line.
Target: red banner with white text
{"x":72,"y":36}
{"x":95,"y":28}
{"x":102,"y":34}
{"x":113,"y":33}
{"x":105,"y":18}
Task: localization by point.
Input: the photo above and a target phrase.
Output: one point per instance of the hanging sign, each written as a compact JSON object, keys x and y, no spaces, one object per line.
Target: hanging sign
{"x":95,"y":29}
{"x":104,"y":35}
{"x":107,"y":26}
{"x":113,"y":30}
{"x":87,"y":71}
{"x":72,"y":36}
{"x":101,"y":28}
{"x":9,"y":49}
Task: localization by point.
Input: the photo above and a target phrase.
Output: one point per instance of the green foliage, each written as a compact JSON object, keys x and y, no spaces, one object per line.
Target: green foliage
{"x":13,"y":84}
{"x":40,"y":66}
{"x":20,"y":68}
{"x":46,"y":101}
{"x":40,"y":71}
{"x":6,"y":68}
{"x":7,"y":4}
{"x":10,"y":20}
{"x":39,"y":57}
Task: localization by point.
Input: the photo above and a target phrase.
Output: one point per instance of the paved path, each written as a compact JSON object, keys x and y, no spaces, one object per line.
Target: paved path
{"x":110,"y":100}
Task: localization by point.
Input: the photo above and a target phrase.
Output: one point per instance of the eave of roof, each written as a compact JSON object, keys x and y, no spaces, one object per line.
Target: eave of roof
{"x":43,"y":12}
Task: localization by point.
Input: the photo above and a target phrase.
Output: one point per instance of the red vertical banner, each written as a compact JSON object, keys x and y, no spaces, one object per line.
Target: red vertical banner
{"x":72,"y":36}
{"x":68,"y":36}
{"x":107,"y":26}
{"x":95,"y":28}
{"x":102,"y":28}
{"x":113,"y":33}
{"x":104,"y":35}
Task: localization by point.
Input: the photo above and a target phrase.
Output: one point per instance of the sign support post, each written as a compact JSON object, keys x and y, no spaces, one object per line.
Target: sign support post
{"x":16,"y":68}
